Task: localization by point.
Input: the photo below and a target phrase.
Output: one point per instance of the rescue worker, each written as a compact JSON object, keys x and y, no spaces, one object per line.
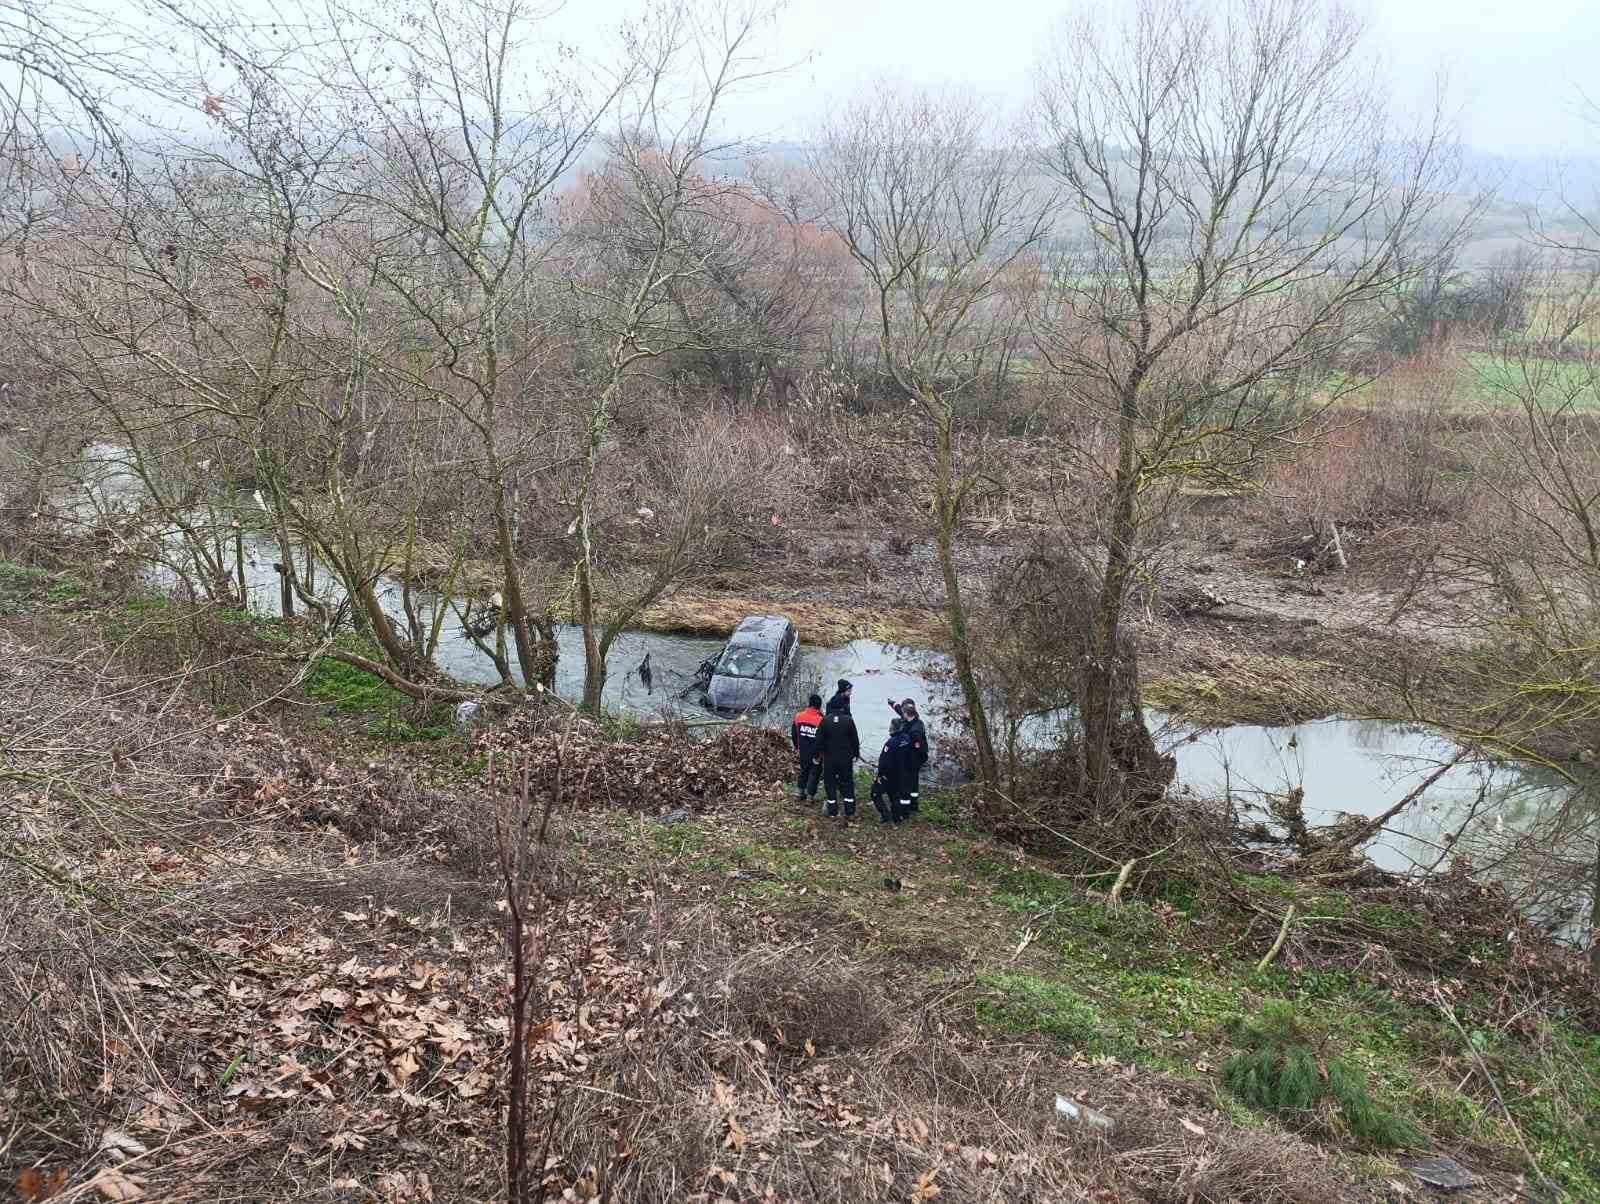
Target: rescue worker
{"x":803,"y":735}
{"x":886,"y":786}
{"x":838,"y":746}
{"x":841,"y":697}
{"x":915,"y":735}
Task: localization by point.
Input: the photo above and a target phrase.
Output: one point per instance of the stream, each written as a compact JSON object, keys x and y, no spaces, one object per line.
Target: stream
{"x":877,"y":672}
{"x":1344,"y":766}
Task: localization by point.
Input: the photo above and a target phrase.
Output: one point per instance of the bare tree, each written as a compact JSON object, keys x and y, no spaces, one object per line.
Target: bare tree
{"x":1530,"y":542}
{"x":65,"y":72}
{"x":656,"y":238}
{"x":463,"y":151}
{"x":936,"y":206}
{"x":1243,"y":206}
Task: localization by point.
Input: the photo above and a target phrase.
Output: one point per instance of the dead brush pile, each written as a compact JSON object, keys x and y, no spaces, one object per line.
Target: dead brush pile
{"x":1464,"y":936}
{"x":658,"y":768}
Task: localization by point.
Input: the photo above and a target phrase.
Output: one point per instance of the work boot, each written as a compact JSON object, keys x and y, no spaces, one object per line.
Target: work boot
{"x":849,"y":808}
{"x":902,"y":811}
{"x":913,"y":804}
{"x":831,"y":809}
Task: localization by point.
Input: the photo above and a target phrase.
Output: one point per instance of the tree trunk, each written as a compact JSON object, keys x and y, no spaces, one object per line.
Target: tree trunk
{"x":960,"y":642}
{"x":1333,"y":551}
{"x":594,"y":648}
{"x":594,"y":658}
{"x":529,"y":659}
{"x":543,"y":626}
{"x":1102,"y":703}
{"x":1594,"y":912}
{"x":238,"y":566}
{"x":378,"y":623}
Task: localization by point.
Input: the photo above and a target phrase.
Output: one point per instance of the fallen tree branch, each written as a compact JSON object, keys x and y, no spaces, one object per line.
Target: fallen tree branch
{"x":1114,"y":899}
{"x":421,"y":691}
{"x":1483,"y":1069}
{"x":1277,"y":945}
{"x":1372,"y":827}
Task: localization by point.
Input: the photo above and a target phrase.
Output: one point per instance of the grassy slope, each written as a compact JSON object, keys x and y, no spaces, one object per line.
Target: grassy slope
{"x":1147,"y":983}
{"x":1007,"y":962}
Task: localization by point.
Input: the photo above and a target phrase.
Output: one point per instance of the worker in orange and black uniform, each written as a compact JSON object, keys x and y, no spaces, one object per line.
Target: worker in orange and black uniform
{"x":839,"y":746}
{"x":803,"y":735}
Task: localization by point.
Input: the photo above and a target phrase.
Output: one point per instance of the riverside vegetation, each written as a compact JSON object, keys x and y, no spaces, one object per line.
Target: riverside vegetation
{"x":410,"y":345}
{"x":235,"y":929}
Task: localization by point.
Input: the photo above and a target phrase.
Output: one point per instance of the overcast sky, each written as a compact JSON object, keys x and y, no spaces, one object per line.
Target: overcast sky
{"x":1515,"y":66}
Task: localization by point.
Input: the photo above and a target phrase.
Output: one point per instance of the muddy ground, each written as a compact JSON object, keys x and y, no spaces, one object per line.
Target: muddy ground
{"x":1289,"y":644}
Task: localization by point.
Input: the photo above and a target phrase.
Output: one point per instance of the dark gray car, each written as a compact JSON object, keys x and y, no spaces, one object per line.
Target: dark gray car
{"x":749,"y":671}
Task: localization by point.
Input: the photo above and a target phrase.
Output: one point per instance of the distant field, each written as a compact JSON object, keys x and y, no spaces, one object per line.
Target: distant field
{"x":1483,"y":380}
{"x":1547,"y":318}
{"x":1491,"y":379}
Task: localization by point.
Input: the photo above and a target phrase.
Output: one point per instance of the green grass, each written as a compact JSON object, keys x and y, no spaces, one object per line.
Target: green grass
{"x":349,"y":689}
{"x":1495,"y":380}
{"x":391,"y":716}
{"x":14,"y":575}
{"x":1486,"y":380}
{"x":678,"y":840}
{"x":1156,"y":982}
{"x":1391,"y":919}
{"x":21,"y":585}
{"x":1023,"y":1003}
{"x":937,"y":807}
{"x":621,"y":725}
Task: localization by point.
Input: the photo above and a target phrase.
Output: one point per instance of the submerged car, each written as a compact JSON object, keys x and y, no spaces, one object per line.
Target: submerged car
{"x":749,"y":671}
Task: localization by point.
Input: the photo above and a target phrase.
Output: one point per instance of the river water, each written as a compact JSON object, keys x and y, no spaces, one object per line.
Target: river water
{"x":877,"y":672}
{"x":1343,"y":766}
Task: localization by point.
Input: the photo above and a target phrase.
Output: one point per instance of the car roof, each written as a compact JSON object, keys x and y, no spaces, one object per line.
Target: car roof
{"x":761,"y":631}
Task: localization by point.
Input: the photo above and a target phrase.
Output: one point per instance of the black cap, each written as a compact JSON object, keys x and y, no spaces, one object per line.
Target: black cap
{"x":907,"y":704}
{"x":814,"y":701}
{"x":843,"y":685}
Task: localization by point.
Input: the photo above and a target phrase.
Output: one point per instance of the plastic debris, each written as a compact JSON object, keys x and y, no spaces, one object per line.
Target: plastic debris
{"x":1082,"y":1114}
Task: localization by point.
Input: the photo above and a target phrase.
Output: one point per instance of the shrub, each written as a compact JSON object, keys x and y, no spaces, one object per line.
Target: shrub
{"x":1283,"y":1069}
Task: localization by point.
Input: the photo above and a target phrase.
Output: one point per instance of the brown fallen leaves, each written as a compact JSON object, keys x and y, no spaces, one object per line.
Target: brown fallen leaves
{"x":643,"y":773}
{"x":35,"y":1184}
{"x":113,"y":1184}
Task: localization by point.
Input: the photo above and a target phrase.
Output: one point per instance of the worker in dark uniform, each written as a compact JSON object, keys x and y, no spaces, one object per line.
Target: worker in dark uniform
{"x":841,"y":698}
{"x":886,"y":786}
{"x":803,"y":735}
{"x":838,"y":745}
{"x":915,"y":735}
